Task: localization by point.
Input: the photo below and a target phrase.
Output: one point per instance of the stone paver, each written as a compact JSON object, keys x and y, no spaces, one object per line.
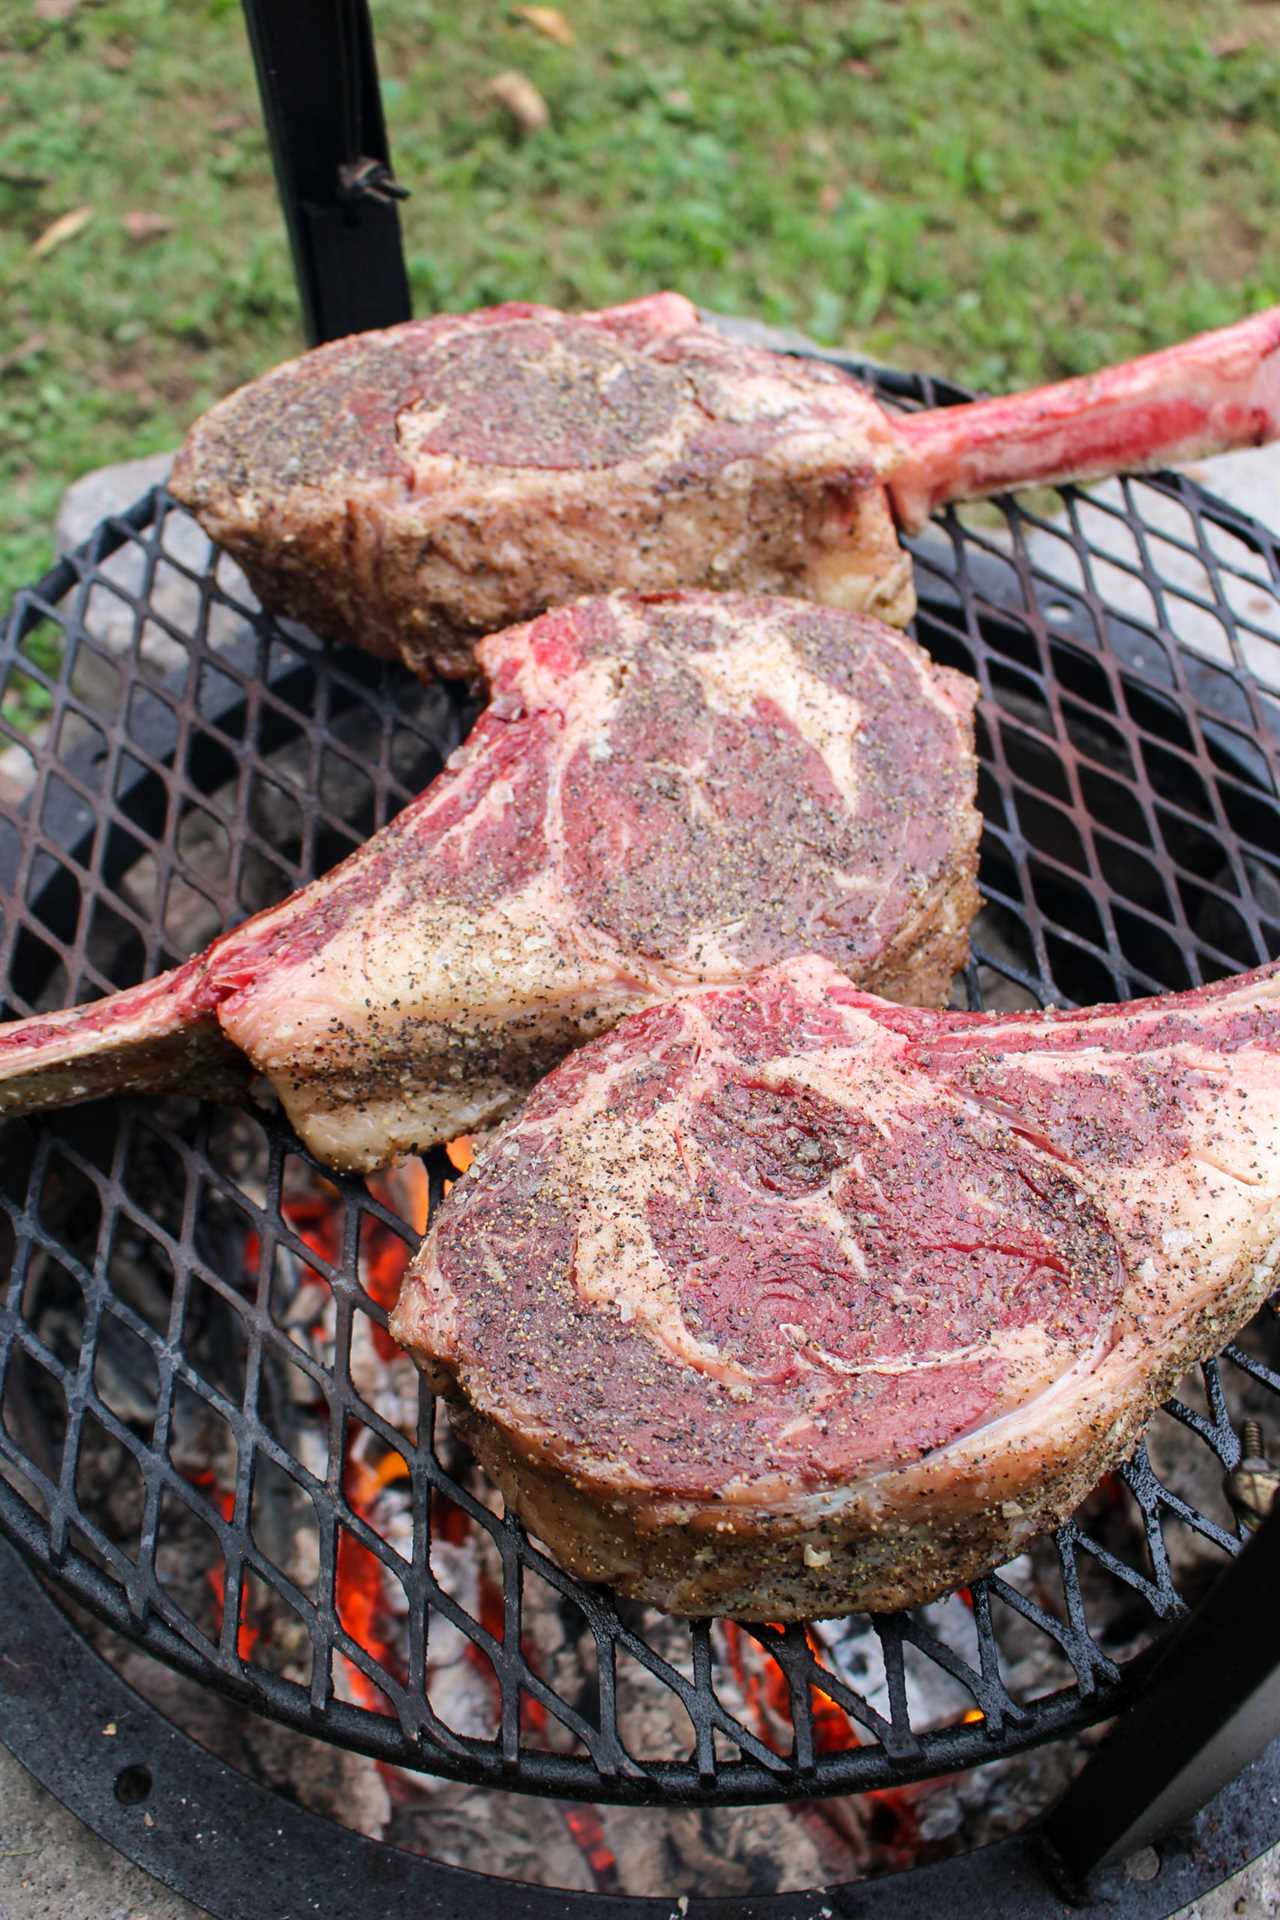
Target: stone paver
{"x":53,"y":1868}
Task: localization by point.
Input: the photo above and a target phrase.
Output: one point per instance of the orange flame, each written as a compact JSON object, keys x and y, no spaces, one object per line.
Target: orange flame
{"x":317,"y":1217}
{"x":768,"y":1696}
{"x":247,"y":1637}
{"x":403,"y":1189}
{"x":360,"y":1602}
{"x":587,"y":1827}
{"x":462,"y":1151}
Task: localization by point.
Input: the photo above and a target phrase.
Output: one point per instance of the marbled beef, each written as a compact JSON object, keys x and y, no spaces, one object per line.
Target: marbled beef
{"x":661,"y":792}
{"x":780,"y":1301}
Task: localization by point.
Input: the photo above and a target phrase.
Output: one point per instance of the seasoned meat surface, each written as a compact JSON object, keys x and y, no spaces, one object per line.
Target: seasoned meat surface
{"x":414,"y":489}
{"x":411,"y":490}
{"x":661,"y":792}
{"x":781,"y":1301}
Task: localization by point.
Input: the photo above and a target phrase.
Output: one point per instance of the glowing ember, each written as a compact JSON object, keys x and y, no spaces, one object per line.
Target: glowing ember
{"x":587,"y":1828}
{"x":317,"y":1215}
{"x":224,"y":1500}
{"x":361,"y":1607}
{"x":449,"y":1522}
{"x":462,"y":1151}
{"x":768,"y":1699}
{"x":765,"y":1690}
{"x":365,"y":1592}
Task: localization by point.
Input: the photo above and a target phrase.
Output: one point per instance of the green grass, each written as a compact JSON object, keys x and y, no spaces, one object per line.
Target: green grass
{"x":1004,"y":191}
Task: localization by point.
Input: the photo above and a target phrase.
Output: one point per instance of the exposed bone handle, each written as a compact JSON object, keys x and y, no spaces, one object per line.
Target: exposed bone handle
{"x":1207,"y":395}
{"x":160,"y":1037}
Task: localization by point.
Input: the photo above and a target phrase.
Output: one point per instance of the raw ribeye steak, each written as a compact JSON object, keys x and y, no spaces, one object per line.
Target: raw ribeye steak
{"x":660,"y":793}
{"x":412,"y":489}
{"x":779,"y":1301}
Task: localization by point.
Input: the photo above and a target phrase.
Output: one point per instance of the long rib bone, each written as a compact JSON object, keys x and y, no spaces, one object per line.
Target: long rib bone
{"x":1208,"y":395}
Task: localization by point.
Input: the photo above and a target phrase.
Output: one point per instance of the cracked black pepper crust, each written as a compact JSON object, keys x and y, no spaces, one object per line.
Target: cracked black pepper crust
{"x":1124,"y":1160}
{"x":412,"y":490}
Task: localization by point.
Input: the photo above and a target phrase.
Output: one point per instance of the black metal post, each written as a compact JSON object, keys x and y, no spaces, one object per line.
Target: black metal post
{"x":1210,"y":1706}
{"x":318,"y":78}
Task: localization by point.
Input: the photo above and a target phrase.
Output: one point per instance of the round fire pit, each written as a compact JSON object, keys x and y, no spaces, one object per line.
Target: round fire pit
{"x":207,"y":1437}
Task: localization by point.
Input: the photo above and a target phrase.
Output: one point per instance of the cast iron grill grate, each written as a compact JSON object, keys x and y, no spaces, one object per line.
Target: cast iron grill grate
{"x":200,"y":760}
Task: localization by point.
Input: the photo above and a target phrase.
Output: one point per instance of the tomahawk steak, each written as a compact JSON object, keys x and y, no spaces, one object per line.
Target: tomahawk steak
{"x":661,"y":792}
{"x":781,"y":1301}
{"x":412,"y":489}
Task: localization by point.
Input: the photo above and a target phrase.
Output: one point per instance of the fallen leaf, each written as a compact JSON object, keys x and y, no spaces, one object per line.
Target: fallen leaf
{"x":142,"y":227}
{"x":549,"y":21}
{"x":517,"y":93}
{"x":64,"y":228}
{"x":829,"y":198}
{"x":54,"y":9}
{"x":119,"y":59}
{"x":863,"y":68}
{"x":1233,"y":43}
{"x":25,"y":350}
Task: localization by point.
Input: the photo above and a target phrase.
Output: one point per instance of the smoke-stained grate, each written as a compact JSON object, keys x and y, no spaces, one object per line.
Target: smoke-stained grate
{"x":205,"y":1434}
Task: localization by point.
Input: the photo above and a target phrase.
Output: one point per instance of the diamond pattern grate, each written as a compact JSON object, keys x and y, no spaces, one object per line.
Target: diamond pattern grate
{"x":204,"y":1433}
